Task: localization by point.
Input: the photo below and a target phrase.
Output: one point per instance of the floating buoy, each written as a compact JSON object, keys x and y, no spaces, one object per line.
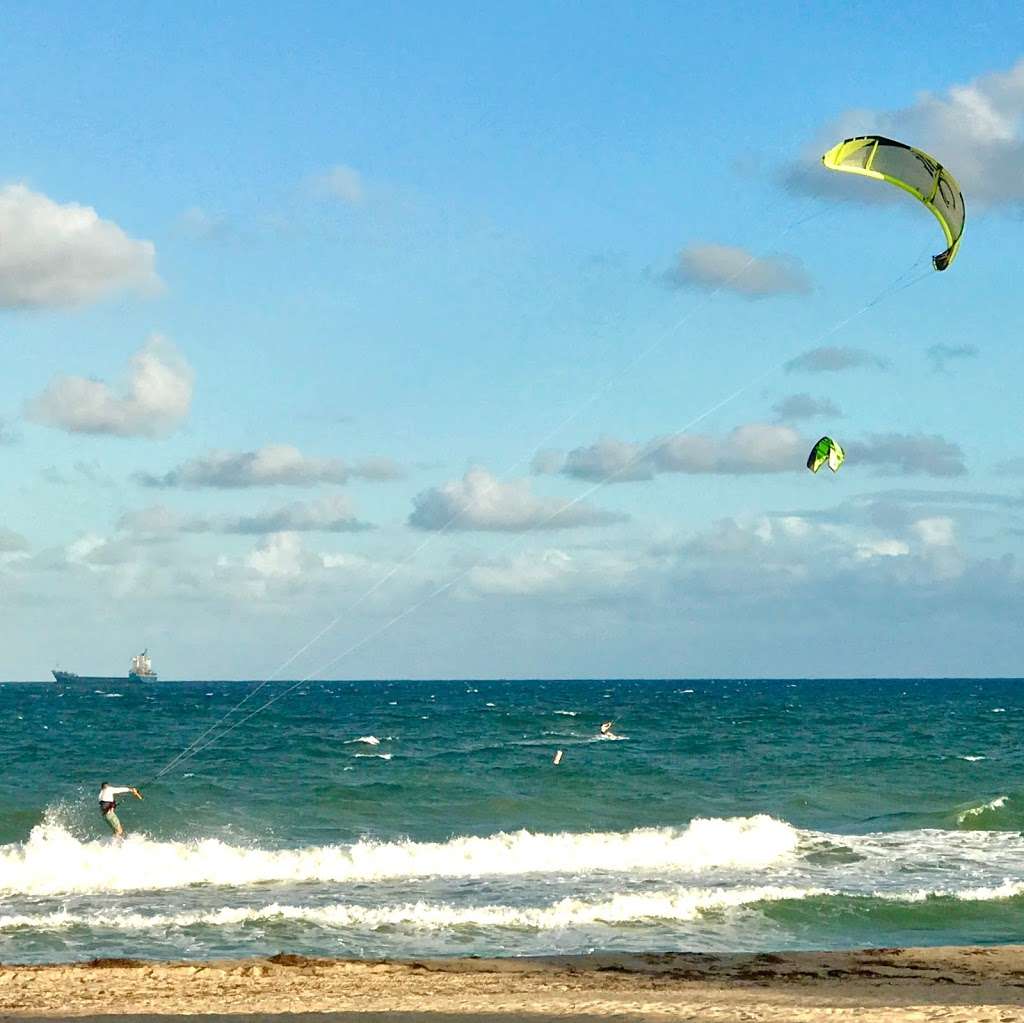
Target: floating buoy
{"x":558,"y":758}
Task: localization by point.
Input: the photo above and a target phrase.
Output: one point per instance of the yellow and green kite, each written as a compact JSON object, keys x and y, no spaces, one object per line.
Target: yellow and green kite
{"x":826,"y":452}
{"x":912,"y":170}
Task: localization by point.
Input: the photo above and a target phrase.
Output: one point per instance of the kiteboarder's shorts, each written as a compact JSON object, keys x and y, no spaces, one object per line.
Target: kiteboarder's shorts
{"x":115,"y":825}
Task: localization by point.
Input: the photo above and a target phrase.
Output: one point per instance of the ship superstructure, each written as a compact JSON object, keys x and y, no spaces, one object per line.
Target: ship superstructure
{"x":142,"y":668}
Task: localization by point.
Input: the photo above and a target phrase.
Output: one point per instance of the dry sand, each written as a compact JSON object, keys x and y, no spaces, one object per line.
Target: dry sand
{"x":949,"y":984}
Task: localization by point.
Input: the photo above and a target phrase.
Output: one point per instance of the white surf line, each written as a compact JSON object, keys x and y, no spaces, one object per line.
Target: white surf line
{"x":435,"y":535}
{"x":892,"y":288}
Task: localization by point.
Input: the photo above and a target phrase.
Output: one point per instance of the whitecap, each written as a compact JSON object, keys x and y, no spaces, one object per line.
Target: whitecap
{"x":680,"y":904}
{"x":53,"y":861}
{"x":975,"y":811}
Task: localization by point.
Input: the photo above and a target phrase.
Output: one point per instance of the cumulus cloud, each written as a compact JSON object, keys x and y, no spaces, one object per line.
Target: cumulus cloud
{"x":751,"y":448}
{"x":342,"y":182}
{"x":57,"y":254}
{"x":976,"y":129}
{"x":796,"y":552}
{"x":279,"y":555}
{"x":712,"y":267}
{"x":153,"y":400}
{"x":331,"y":514}
{"x":835,"y":359}
{"x":480,"y":501}
{"x":805,"y":406}
{"x":941,"y":354}
{"x":271,"y":465}
{"x":908,"y":454}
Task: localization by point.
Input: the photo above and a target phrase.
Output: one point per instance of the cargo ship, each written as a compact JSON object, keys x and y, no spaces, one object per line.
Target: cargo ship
{"x":141,"y":670}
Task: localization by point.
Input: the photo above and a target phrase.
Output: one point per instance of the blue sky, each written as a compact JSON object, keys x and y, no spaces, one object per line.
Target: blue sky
{"x":344,"y":313}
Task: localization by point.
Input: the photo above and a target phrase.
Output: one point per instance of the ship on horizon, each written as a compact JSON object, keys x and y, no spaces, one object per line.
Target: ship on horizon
{"x":141,"y":670}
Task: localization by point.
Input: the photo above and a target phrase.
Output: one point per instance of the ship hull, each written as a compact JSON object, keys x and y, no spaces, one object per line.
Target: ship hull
{"x":138,"y":676}
{"x":69,"y":678}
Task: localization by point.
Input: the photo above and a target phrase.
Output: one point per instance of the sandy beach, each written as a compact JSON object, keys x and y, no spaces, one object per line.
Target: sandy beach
{"x":951,"y":984}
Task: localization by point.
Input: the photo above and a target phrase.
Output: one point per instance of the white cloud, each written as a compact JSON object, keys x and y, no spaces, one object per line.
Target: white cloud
{"x":908,"y":454}
{"x":271,"y":465}
{"x":581,"y":574}
{"x":751,"y":448}
{"x":342,"y":182}
{"x":154,"y":399}
{"x":868,"y":549}
{"x":939,"y":531}
{"x":279,"y":555}
{"x":330,"y":514}
{"x":480,"y":501}
{"x":64,"y":254}
{"x":713,"y":267}
{"x":975,"y":129}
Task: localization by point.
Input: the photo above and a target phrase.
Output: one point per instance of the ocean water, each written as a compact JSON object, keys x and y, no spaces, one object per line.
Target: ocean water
{"x":427,"y":818}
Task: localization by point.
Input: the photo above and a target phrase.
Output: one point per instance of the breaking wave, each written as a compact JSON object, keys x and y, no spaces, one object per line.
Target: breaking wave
{"x":53,"y":861}
{"x":685,"y":904}
{"x":680,"y":905}
{"x":976,"y":811}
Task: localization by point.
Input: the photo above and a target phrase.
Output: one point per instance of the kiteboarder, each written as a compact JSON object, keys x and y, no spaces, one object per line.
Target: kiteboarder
{"x":108,"y":805}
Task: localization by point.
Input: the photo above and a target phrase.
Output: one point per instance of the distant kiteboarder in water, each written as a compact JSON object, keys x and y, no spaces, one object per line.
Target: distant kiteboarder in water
{"x":108,"y":805}
{"x":606,"y":727}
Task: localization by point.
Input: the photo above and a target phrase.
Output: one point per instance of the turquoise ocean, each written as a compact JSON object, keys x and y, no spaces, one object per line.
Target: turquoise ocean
{"x":427,"y":818}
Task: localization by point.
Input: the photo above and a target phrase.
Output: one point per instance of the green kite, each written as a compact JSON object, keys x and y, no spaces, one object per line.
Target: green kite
{"x":826,"y":451}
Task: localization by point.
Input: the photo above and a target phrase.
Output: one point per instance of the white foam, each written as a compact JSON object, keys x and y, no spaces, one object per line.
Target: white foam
{"x":370,"y":740}
{"x":983,"y":893}
{"x":567,"y":713}
{"x":683,"y":904}
{"x":971,"y":759}
{"x":52,"y":861}
{"x":974,"y":811}
{"x":375,"y":756}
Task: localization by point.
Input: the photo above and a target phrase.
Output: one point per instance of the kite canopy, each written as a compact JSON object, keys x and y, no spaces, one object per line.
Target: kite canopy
{"x":826,"y":451}
{"x":912,"y":170}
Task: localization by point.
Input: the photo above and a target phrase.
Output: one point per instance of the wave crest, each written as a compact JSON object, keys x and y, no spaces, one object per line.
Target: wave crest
{"x":52,"y":861}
